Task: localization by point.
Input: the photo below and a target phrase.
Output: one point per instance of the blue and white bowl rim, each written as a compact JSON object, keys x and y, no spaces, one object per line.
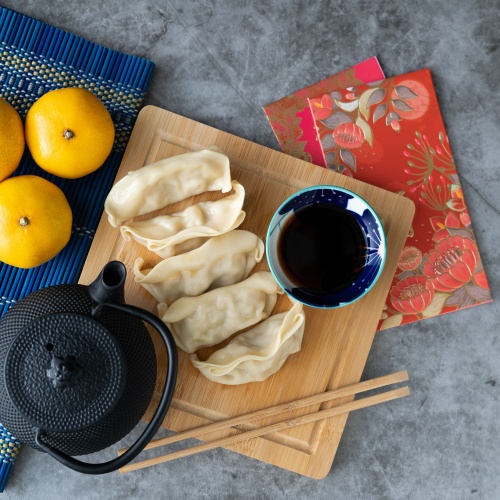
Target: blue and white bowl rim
{"x":275,"y":223}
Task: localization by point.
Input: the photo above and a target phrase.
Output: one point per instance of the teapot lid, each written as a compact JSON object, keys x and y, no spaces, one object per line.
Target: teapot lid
{"x":64,"y":372}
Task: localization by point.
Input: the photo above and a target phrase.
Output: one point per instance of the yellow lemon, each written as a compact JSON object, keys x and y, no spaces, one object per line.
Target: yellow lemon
{"x":11,"y":139}
{"x":35,"y":221}
{"x":69,"y":132}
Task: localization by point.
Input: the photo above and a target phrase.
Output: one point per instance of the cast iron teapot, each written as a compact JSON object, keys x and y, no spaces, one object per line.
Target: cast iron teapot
{"x":78,"y":370}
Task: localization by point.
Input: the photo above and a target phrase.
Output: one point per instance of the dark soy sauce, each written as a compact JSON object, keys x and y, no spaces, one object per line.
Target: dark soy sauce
{"x":322,"y":248}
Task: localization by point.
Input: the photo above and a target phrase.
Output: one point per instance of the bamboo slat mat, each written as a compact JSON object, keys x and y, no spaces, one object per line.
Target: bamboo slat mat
{"x":34,"y":59}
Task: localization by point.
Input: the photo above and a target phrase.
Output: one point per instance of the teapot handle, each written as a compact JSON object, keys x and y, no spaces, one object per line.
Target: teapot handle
{"x":158,"y":417}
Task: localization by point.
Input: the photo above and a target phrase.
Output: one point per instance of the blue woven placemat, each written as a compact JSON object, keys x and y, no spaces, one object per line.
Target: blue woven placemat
{"x":34,"y":59}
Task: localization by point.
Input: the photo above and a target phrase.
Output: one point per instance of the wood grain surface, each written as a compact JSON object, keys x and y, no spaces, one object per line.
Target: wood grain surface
{"x":336,"y":342}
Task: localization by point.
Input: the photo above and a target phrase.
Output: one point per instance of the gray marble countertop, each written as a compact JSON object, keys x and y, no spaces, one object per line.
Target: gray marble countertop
{"x":219,"y":63}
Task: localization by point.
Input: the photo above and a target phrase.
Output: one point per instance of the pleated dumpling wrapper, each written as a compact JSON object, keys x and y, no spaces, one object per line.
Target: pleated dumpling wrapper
{"x":211,"y":318}
{"x":164,"y":233}
{"x":167,"y":181}
{"x":258,"y":353}
{"x":221,"y":261}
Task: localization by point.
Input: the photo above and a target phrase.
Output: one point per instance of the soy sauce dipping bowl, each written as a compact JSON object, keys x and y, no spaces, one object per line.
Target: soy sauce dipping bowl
{"x":370,"y":225}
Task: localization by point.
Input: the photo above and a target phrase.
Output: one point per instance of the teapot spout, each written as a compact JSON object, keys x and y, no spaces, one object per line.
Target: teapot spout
{"x":109,"y":286}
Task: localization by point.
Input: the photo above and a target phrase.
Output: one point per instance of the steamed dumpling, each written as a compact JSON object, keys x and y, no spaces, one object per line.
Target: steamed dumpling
{"x":223,"y":260}
{"x":211,"y":318}
{"x":257,"y":353}
{"x":167,"y":181}
{"x":163,"y":233}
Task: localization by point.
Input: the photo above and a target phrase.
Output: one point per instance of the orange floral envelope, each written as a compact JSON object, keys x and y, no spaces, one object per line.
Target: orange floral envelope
{"x":292,"y":121}
{"x":391,"y":134}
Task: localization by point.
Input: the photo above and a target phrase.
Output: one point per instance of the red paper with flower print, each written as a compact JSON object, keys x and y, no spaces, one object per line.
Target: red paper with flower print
{"x":291,"y":118}
{"x":391,"y":134}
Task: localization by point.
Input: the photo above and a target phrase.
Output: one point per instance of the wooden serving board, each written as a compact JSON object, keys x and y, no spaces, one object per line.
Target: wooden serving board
{"x":336,"y":342}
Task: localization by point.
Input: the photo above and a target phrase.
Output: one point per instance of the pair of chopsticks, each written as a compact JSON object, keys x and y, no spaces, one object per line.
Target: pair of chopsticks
{"x":349,"y":390}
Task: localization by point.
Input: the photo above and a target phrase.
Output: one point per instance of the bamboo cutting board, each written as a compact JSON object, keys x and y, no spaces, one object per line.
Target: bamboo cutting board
{"x":336,"y":342}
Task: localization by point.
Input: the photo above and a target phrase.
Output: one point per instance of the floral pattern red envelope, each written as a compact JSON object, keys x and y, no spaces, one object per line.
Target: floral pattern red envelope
{"x":292,"y":121}
{"x":391,"y":134}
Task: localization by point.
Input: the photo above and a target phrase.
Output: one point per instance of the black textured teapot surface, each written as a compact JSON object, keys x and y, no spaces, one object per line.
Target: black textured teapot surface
{"x":79,"y":370}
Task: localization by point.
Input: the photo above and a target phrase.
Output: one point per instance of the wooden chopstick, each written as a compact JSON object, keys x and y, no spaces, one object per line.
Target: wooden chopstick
{"x":348,"y":390}
{"x":260,"y":431}
{"x":287,"y":424}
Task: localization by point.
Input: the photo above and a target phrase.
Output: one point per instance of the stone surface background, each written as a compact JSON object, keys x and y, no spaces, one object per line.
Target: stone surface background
{"x":219,"y":63}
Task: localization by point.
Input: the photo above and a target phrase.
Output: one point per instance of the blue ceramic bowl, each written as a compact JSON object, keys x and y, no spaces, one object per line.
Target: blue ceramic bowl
{"x":370,"y":225}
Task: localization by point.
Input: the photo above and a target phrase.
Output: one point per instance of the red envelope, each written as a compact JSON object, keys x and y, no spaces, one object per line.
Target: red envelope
{"x":291,"y":118}
{"x":391,"y":134}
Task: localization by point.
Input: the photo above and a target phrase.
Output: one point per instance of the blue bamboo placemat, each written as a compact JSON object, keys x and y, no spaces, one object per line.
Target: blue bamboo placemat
{"x":34,"y":59}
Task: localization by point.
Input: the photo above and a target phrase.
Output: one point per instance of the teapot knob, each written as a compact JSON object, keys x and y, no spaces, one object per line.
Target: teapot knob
{"x":64,"y":372}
